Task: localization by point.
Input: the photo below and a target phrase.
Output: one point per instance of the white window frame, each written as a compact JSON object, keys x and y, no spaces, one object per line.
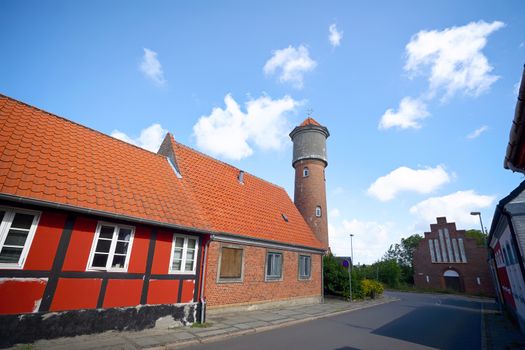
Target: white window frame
{"x":184,"y":251}
{"x":306,"y":172}
{"x":111,"y":254}
{"x":305,"y":277}
{"x":318,"y":211}
{"x":271,"y":278}
{"x":5,"y":226}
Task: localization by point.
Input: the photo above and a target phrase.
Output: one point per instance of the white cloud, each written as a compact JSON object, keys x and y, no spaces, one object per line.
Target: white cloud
{"x":292,"y":63}
{"x":371,"y":239}
{"x":149,"y":138}
{"x":455,"y":206}
{"x":335,"y":35}
{"x":231,"y":133}
{"x":454,"y":58}
{"x":334,"y":213}
{"x":476,"y":133}
{"x":404,"y":179}
{"x":409,"y":114}
{"x":151,"y":67}
{"x":517,"y":88}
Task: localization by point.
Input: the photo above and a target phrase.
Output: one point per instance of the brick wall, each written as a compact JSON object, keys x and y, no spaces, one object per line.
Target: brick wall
{"x":309,"y":193}
{"x":476,"y":265}
{"x":254,"y":288}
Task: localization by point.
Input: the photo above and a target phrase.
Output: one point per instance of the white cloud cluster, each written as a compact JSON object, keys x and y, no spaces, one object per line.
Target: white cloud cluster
{"x":452,"y":61}
{"x":476,"y":133}
{"x":404,"y":179}
{"x":291,"y":63}
{"x":455,"y":206}
{"x":453,"y":57}
{"x":371,"y":239}
{"x":335,"y":35}
{"x":151,"y":67}
{"x":409,"y":114}
{"x":150,"y":138}
{"x":230,"y":132}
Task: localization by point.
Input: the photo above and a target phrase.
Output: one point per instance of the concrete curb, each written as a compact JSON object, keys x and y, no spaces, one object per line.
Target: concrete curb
{"x":215,"y":338}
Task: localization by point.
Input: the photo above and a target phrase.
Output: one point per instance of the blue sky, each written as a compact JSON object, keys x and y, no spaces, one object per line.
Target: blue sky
{"x":418,"y":96}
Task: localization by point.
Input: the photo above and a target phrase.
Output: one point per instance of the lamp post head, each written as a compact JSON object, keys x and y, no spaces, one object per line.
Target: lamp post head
{"x":475,"y":213}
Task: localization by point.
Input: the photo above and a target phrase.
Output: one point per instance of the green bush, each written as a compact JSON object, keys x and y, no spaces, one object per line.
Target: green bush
{"x":371,"y":288}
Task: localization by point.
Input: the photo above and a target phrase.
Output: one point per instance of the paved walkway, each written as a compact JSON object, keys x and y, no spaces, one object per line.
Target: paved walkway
{"x":499,"y":332}
{"x":222,"y":325}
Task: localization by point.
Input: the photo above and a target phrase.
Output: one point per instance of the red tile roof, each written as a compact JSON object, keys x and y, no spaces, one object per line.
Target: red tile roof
{"x":48,"y":158}
{"x":310,"y":121}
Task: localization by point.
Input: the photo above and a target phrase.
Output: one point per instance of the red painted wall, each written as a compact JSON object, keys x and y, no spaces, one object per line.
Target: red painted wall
{"x":76,"y":293}
{"x":80,"y":244}
{"x":161,"y":258}
{"x":139,"y":250}
{"x":163,"y":291}
{"x":21,"y":295}
{"x":120,"y":293}
{"x":45,"y":242}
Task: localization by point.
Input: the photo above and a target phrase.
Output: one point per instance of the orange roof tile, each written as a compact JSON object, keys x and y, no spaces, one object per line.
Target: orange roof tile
{"x":48,"y":158}
{"x":309,"y":121}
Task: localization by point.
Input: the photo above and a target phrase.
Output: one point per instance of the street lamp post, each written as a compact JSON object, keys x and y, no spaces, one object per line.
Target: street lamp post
{"x":480,"y":221}
{"x":351,"y":265}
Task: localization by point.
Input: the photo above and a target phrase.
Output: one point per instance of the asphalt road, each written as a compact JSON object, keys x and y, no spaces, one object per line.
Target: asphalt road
{"x":417,"y":321}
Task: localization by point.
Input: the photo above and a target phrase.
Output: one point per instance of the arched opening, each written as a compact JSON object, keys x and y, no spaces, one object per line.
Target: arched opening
{"x":452,"y":280}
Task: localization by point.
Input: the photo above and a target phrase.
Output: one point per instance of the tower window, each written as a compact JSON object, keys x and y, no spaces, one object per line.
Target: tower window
{"x":318,"y":211}
{"x":305,"y":172}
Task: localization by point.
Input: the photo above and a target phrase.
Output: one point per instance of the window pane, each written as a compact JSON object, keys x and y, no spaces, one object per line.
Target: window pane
{"x":122,"y":248}
{"x":189,"y":265}
{"x":177,"y":254}
{"x":16,"y":237}
{"x":231,"y":263}
{"x":191,"y":243}
{"x":179,"y":242}
{"x":124,"y":234}
{"x":23,"y":221}
{"x":100,"y":260}
{"x":106,"y":232}
{"x":176,"y":265}
{"x":118,"y":261}
{"x":10,"y":255}
{"x":103,"y":246}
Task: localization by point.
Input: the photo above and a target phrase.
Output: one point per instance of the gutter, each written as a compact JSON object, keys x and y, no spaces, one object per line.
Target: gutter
{"x":517,"y":131}
{"x":203,"y":277}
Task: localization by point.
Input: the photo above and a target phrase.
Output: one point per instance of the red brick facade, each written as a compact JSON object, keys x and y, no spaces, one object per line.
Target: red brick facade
{"x":310,"y":192}
{"x":254,"y":288}
{"x":471,"y":264}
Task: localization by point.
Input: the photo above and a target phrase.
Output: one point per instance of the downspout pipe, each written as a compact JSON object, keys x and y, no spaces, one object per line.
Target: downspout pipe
{"x":203,"y":277}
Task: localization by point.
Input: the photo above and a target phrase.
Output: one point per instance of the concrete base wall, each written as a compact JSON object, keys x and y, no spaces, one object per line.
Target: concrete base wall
{"x":30,"y":327}
{"x":213,"y":310}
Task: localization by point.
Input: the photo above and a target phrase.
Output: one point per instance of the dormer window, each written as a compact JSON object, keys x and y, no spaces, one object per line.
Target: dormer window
{"x":318,"y":211}
{"x":305,"y":172}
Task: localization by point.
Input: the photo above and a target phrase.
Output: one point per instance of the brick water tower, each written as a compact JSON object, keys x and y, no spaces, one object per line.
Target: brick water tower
{"x":309,"y":161}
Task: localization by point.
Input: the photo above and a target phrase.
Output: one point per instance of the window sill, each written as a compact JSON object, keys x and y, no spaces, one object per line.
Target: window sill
{"x":232,"y":280}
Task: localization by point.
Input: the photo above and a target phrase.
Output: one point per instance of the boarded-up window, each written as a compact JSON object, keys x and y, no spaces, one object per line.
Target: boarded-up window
{"x":231,"y":263}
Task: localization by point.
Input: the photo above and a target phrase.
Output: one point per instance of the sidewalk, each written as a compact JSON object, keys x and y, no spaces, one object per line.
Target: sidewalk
{"x":500,"y":332}
{"x":222,"y":325}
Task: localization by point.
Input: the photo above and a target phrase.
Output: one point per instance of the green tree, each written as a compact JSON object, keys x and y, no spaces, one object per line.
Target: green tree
{"x":479,"y":236}
{"x":403,"y":254}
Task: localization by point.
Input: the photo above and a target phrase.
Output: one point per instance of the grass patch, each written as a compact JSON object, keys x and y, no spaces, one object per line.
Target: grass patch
{"x":202,"y":325}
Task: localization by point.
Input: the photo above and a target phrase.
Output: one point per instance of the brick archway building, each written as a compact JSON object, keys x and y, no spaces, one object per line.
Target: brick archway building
{"x":447,"y":259}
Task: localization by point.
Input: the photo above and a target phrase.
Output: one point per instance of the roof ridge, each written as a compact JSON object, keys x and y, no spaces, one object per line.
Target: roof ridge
{"x":227,"y":164}
{"x":76,"y":123}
